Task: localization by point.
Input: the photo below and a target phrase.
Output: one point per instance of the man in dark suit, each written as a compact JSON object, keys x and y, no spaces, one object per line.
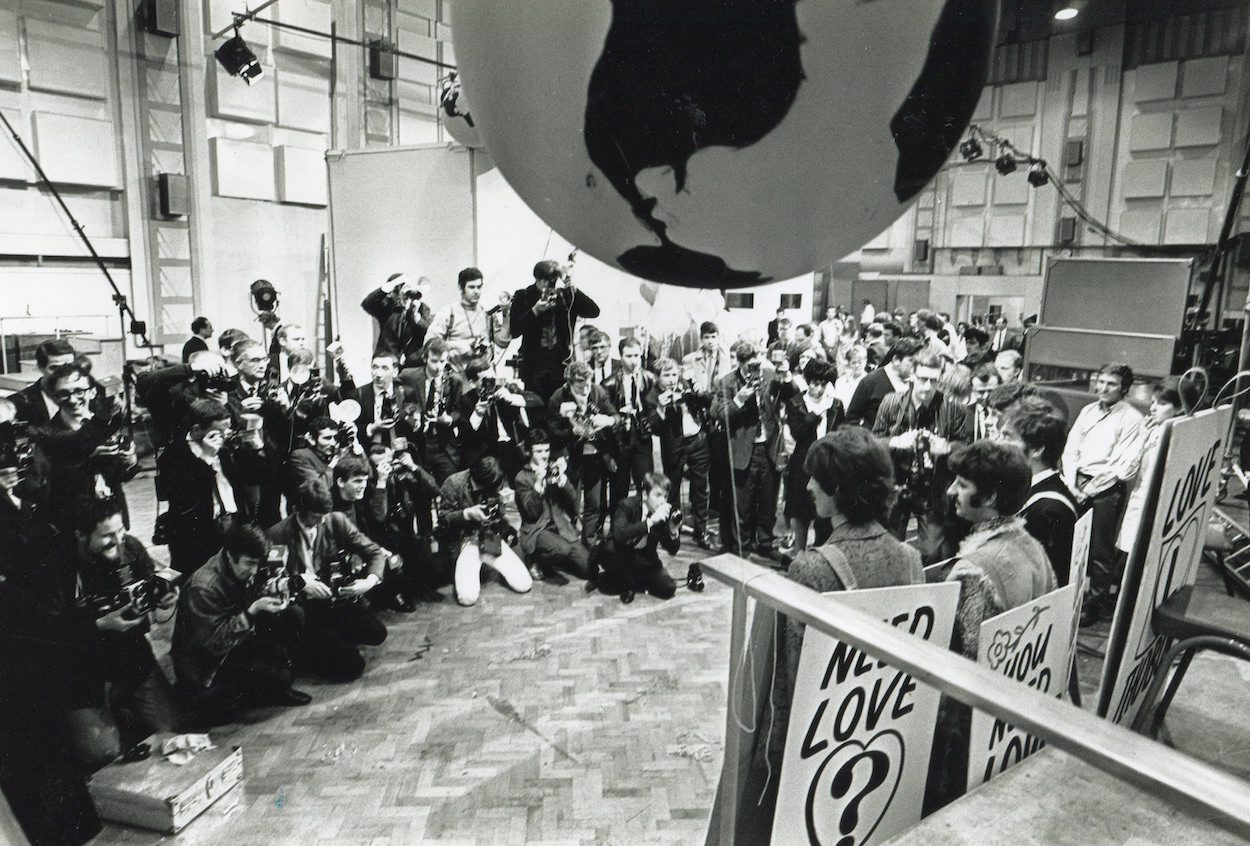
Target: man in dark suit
{"x":602,"y":365}
{"x":893,"y":376}
{"x":629,"y":388}
{"x":1003,"y":337}
{"x":550,"y":537}
{"x":383,"y":405}
{"x":1051,"y":512}
{"x":774,"y":325}
{"x":495,"y":418}
{"x":196,"y":475}
{"x":201,"y":331}
{"x":630,"y":559}
{"x":436,"y":390}
{"x":678,"y":416}
{"x":36,"y":403}
{"x":403,"y":319}
{"x":339,"y":566}
{"x":543,"y":316}
{"x":581,"y":417}
{"x":749,"y":398}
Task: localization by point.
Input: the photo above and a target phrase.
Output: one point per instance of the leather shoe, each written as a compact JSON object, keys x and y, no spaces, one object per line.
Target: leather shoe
{"x":292,"y":698}
{"x":627,"y":596}
{"x":1096,"y":610}
{"x":701,"y":540}
{"x":555,"y":578}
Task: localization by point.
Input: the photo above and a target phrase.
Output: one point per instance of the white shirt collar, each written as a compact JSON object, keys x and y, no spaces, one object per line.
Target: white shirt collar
{"x":1038,"y":478}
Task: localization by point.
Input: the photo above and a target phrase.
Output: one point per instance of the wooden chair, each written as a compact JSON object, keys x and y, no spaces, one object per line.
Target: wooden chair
{"x":1196,"y":620}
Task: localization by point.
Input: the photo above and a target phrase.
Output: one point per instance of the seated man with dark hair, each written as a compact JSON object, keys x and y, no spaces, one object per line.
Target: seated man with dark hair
{"x":338,"y":566}
{"x":551,"y":537}
{"x":316,"y":459}
{"x":237,"y":628}
{"x":476,"y":532}
{"x":1051,"y":511}
{"x":630,"y":558}
{"x":118,"y":588}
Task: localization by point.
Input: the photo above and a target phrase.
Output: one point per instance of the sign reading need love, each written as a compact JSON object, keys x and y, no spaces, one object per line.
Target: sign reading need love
{"x":857,"y":749}
{"x":1030,"y":645}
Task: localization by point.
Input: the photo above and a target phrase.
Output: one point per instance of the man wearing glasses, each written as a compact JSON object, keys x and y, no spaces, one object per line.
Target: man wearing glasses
{"x":88,"y":453}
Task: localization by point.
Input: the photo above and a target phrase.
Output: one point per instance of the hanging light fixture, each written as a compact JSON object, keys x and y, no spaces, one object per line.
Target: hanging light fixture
{"x":238,"y":59}
{"x":1038,"y":174}
{"x":971,"y":150}
{"x":1005,"y":164}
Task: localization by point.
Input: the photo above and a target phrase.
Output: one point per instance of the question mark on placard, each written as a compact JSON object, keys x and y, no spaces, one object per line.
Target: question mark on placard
{"x":841,"y":786}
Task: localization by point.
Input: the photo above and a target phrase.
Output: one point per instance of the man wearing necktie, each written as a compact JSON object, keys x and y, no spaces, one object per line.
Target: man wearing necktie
{"x":629,"y":388}
{"x":496,"y":417}
{"x":382,"y":404}
{"x":706,"y":366}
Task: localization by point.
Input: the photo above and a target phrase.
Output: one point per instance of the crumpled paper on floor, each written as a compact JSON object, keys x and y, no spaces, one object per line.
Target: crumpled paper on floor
{"x":182,"y":748}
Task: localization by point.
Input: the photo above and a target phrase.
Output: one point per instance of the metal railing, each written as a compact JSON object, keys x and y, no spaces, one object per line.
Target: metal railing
{"x":1169,"y":774}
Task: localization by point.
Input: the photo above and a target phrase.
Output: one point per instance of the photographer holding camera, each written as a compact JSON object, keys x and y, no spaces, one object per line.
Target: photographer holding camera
{"x":108,"y":586}
{"x":630,"y":557}
{"x":197,"y":477}
{"x":581,"y":418}
{"x":550,"y":536}
{"x":437,"y":390}
{"x":496,"y":416}
{"x":88,"y":454}
{"x":36,"y":403}
{"x":403,"y":318}
{"x":543,"y":316}
{"x":237,"y":629}
{"x":257,"y":453}
{"x":325,"y":446}
{"x":338,"y":566}
{"x":678,"y":416}
{"x":475,"y":531}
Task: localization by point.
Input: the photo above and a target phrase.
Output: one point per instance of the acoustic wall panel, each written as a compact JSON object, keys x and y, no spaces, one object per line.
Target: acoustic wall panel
{"x":967,"y":232}
{"x":1141,"y":226}
{"x":10,"y":64}
{"x":1204,"y":77}
{"x":66,"y":59}
{"x":1145,"y":179}
{"x":12,"y":164}
{"x":1187,"y":226}
{"x":968,"y":186}
{"x":303,"y":101}
{"x":240,"y":169}
{"x":1012,"y":189}
{"x":1018,"y":100}
{"x":301,"y":175}
{"x":310,"y":14}
{"x":76,"y":150}
{"x":231,"y":97}
{"x":1007,"y":231}
{"x":417,"y":128}
{"x":1155,"y":82}
{"x":1151,"y":132}
{"x":1198,"y":127}
{"x":1194,"y":178}
{"x":421,"y":8}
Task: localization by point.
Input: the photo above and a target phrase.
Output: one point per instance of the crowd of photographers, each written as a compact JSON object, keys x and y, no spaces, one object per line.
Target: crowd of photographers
{"x":298,"y":505}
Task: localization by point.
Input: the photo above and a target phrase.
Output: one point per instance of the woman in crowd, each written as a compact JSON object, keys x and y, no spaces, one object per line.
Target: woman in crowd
{"x":851,"y":370}
{"x":851,"y":479}
{"x":810,"y":415}
{"x":1165,"y":403}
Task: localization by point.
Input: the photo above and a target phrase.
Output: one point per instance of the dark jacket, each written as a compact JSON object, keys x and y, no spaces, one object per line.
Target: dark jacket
{"x":210,"y":622}
{"x":761,"y":408}
{"x":631,"y":436}
{"x":803,"y":426}
{"x":439,"y":437}
{"x":189,"y":486}
{"x":529,"y":327}
{"x":72,"y":468}
{"x":335,"y":535}
{"x":630,"y":534}
{"x":30,"y":404}
{"x":305,"y":464}
{"x":194,"y":344}
{"x":554,"y":509}
{"x":400,"y":333}
{"x":400,"y":402}
{"x":1050,"y":515}
{"x":563,"y":438}
{"x":458,"y":494}
{"x":869,"y":393}
{"x":475,"y":442}
{"x":666,"y":423}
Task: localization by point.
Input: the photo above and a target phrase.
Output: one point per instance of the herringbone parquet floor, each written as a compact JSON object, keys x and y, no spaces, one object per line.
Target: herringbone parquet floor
{"x":555,"y":717}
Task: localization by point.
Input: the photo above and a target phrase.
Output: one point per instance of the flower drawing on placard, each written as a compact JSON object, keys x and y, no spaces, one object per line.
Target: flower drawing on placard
{"x":1000,"y":648}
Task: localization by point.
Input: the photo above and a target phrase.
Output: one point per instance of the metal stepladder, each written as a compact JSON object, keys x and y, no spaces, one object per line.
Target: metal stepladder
{"x":1233,"y":559}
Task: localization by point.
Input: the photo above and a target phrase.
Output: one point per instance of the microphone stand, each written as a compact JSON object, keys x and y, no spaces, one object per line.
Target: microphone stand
{"x":119,"y":299}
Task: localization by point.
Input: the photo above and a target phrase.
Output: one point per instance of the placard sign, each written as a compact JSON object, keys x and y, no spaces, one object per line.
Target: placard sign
{"x":857,"y":751}
{"x":1165,"y":555}
{"x":1082,"y":532}
{"x":1030,"y":645}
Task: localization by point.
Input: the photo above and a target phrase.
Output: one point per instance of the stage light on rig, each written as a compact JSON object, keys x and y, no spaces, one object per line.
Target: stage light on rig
{"x":1067,"y":12}
{"x":239,"y":60}
{"x":264,"y":295}
{"x":1005,"y":164}
{"x":971,"y":150}
{"x":1038,"y":175}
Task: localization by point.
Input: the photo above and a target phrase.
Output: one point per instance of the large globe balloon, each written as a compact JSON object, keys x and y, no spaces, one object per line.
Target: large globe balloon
{"x":721,"y":143}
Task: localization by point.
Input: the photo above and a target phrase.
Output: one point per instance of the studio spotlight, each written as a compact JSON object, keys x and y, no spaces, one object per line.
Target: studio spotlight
{"x":971,"y":150}
{"x":264,"y":295}
{"x":239,"y":60}
{"x":1038,"y":175}
{"x":1067,"y":13}
{"x":1005,"y":164}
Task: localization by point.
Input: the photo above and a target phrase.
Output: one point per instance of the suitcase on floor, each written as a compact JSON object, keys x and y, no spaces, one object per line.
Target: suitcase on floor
{"x":161,"y":796}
